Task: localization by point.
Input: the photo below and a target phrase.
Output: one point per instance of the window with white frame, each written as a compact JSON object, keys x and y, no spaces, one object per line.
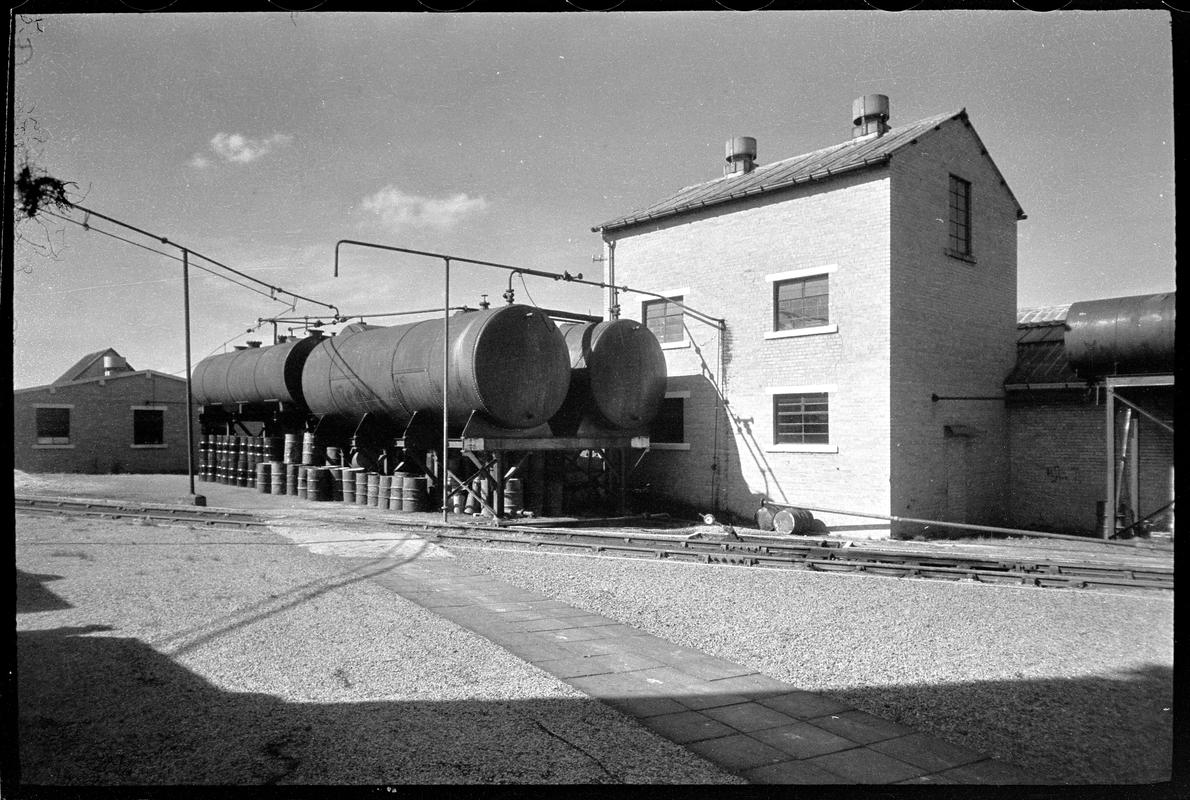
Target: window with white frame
{"x":665,"y":319}
{"x":801,"y":418}
{"x":53,"y":424}
{"x":148,"y":427}
{"x":801,"y":302}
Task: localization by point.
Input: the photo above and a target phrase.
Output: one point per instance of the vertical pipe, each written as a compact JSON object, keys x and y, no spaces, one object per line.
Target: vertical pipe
{"x":1134,"y":475}
{"x":613,"y":306}
{"x":189,"y":391}
{"x":445,"y":378}
{"x":1109,"y":511}
{"x":1125,"y":438}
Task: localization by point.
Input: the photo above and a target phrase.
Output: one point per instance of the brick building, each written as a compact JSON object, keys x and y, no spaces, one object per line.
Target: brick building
{"x":868,"y":291}
{"x":1057,"y":429}
{"x":102,"y":416}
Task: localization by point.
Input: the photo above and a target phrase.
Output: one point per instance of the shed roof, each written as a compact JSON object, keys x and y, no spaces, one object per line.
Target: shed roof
{"x":1041,"y":349}
{"x":819,"y":165}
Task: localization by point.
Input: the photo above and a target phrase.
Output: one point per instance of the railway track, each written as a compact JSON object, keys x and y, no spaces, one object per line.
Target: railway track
{"x":830,"y":556}
{"x":182,"y":515}
{"x":821,"y":555}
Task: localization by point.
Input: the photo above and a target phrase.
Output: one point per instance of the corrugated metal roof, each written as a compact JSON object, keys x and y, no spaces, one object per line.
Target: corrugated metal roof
{"x":815,"y":166}
{"x":1043,"y":315}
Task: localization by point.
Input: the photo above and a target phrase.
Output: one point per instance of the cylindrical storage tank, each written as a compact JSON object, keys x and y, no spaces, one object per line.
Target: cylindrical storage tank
{"x":253,"y":375}
{"x":277,"y":477}
{"x":508,"y":363}
{"x":514,"y":496}
{"x":263,"y":478}
{"x":413,"y":494}
{"x":793,"y":520}
{"x":617,"y":370}
{"x":1122,"y":335}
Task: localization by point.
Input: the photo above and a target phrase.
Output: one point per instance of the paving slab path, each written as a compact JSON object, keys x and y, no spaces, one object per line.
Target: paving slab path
{"x":762,"y":729}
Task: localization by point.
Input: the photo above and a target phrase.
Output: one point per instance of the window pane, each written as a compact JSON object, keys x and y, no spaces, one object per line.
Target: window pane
{"x":801,"y":303}
{"x":148,"y":426}
{"x":801,"y":419}
{"x":53,"y":425}
{"x":664,"y":319}
{"x":960,"y":215}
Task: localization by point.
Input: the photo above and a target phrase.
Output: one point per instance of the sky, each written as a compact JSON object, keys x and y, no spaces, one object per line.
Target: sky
{"x":260,"y":140}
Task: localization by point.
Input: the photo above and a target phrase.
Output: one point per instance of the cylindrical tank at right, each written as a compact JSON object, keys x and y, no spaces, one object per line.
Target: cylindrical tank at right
{"x":1122,"y":335}
{"x":617,"y":373}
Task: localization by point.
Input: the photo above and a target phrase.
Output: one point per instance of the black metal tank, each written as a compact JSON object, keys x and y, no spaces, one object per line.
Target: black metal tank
{"x":617,"y":372}
{"x":508,"y":363}
{"x":253,"y":375}
{"x":1122,"y":335}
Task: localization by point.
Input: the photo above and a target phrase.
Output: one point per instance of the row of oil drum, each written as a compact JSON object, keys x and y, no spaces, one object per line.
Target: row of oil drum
{"x":351,"y":485}
{"x":512,"y":365}
{"x":233,"y":460}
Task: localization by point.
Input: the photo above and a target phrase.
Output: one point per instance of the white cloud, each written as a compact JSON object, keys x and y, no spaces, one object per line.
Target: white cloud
{"x":398,"y":209}
{"x":200,"y":161}
{"x":241,"y":149}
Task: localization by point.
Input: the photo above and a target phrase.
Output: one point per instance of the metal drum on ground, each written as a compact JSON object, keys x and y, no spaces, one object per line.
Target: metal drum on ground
{"x":373,"y":488}
{"x":764,"y":518}
{"x":313,"y":453}
{"x":384,"y":490}
{"x":317,"y":487}
{"x":396,"y":499}
{"x":277,"y":476}
{"x":291,"y":477}
{"x":361,"y":487}
{"x":793,"y":520}
{"x":514,"y":496}
{"x":413,"y":494}
{"x":303,"y":486}
{"x":263,"y":478}
{"x":347,"y":476}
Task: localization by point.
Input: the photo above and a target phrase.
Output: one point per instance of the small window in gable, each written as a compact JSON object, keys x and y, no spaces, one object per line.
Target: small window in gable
{"x":959,"y":242}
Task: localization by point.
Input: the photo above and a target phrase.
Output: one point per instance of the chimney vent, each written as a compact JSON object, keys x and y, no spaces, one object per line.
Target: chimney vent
{"x":869,"y":114}
{"x":741,"y":155}
{"x":114,"y":364}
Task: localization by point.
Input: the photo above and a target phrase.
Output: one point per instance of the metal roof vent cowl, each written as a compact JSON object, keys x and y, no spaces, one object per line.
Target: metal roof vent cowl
{"x":113,"y":364}
{"x":869,"y":114}
{"x":741,"y":155}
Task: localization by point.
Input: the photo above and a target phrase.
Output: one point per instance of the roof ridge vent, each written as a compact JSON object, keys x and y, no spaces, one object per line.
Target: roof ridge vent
{"x":869,"y":114}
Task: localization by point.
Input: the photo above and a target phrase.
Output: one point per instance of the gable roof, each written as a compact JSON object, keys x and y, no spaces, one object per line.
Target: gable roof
{"x":61,"y":384}
{"x":83,"y":364}
{"x":818,"y":165}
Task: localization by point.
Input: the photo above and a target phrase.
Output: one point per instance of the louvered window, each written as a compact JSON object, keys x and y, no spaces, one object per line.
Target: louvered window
{"x":801,"y":419}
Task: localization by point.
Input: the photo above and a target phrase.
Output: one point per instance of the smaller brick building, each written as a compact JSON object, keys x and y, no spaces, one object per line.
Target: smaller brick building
{"x":102,"y":416}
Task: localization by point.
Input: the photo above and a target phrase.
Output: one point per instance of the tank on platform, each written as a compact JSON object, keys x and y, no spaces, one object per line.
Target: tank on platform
{"x":509,"y":364}
{"x":253,"y":374}
{"x":1122,"y":335}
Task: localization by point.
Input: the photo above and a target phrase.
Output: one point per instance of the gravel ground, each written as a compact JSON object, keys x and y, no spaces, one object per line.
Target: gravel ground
{"x":1075,"y":685}
{"x":169,"y":655}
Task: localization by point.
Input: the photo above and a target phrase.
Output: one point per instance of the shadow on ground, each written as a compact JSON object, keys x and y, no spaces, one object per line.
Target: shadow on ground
{"x":144,"y":720}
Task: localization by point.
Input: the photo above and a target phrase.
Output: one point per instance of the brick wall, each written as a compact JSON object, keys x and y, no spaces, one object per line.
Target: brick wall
{"x":721,"y":258}
{"x":101,"y":427}
{"x":953,"y":333}
{"x":1058,"y":449}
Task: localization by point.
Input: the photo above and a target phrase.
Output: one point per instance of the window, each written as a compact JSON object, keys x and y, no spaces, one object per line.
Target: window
{"x":665,"y":319}
{"x":53,"y":424}
{"x":669,"y":426}
{"x":148,"y":426}
{"x":801,"y":303}
{"x":801,"y":418}
{"x":960,"y":217}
